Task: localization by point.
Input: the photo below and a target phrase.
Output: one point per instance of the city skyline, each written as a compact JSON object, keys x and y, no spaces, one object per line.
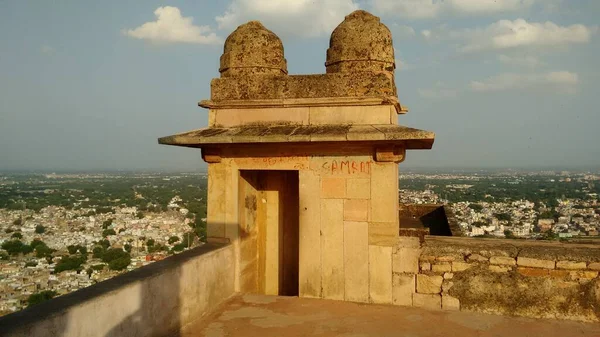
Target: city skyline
{"x":503,"y":85}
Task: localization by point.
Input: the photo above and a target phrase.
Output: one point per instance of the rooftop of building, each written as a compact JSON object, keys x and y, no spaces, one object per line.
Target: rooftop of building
{"x":260,"y":315}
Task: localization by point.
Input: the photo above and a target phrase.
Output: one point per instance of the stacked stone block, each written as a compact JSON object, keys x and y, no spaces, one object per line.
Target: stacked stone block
{"x":463,"y":274}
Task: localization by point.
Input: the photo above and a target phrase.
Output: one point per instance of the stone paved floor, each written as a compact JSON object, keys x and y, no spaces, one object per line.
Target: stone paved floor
{"x":255,"y":315}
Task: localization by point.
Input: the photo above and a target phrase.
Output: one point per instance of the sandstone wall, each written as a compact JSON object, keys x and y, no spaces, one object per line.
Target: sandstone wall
{"x":508,"y":277}
{"x":156,"y":300}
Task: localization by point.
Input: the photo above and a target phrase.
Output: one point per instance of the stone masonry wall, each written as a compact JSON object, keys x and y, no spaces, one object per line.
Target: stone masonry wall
{"x":507,"y":277}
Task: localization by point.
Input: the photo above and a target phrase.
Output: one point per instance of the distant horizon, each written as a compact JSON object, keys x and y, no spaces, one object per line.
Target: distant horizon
{"x":402,"y":170}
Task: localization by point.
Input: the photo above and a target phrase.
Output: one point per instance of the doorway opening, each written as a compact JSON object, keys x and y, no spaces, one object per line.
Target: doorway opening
{"x":269,"y":234}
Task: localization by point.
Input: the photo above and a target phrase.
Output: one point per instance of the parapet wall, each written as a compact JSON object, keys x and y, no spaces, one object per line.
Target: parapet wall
{"x":507,"y":277}
{"x":157,"y":300}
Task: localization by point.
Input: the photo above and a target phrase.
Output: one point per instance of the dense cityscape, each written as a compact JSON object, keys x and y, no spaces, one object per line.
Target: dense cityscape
{"x":63,"y":232}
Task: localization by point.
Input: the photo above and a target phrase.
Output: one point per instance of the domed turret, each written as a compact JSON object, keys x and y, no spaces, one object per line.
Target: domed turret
{"x":360,"y":43}
{"x":252,"y":49}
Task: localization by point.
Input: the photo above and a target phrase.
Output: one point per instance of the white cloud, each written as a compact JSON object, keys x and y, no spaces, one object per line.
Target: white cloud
{"x":306,"y":18}
{"x":171,"y":27}
{"x":439,"y":91}
{"x":45,"y":49}
{"x":521,"y":60}
{"x":506,"y":34}
{"x":426,"y":9}
{"x":561,"y":81}
{"x":511,"y":35}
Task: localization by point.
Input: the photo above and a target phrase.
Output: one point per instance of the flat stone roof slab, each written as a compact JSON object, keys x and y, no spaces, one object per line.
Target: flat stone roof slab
{"x":257,"y":315}
{"x":390,"y":134}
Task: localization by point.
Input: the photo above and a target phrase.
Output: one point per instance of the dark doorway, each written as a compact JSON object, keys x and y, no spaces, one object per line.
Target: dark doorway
{"x":269,"y":227}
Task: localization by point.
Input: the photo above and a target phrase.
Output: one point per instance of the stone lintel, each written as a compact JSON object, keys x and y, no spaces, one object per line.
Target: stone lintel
{"x":304,"y":102}
{"x":276,"y":87}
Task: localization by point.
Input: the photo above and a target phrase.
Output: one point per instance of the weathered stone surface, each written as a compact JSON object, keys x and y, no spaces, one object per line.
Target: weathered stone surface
{"x":429,"y":284}
{"x":477,"y":258}
{"x":425,"y":266}
{"x":450,"y":303}
{"x":252,"y":49}
{"x":448,"y":276}
{"x":406,"y":260}
{"x":360,"y":43}
{"x":332,"y":249}
{"x":446,"y":286}
{"x":383,"y":234}
{"x":409,"y":242}
{"x":427,"y":258}
{"x":514,"y":293}
{"x":458,"y":246}
{"x":356,"y":261}
{"x":441,"y":267}
{"x":356,"y":209}
{"x":380,"y":274}
{"x":427,"y":301}
{"x":535,"y":263}
{"x":446,"y":258}
{"x":460,"y":266}
{"x":582,"y":274}
{"x":499,"y":269}
{"x":403,"y":289}
{"x":333,"y":187}
{"x":559,"y":273}
{"x":355,"y":84}
{"x":570,"y":265}
{"x":503,"y":260}
{"x":358,"y":188}
{"x":534,"y":272}
{"x":594,"y":266}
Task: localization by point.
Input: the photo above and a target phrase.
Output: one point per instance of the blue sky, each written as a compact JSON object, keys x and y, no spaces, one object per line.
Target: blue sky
{"x":91,"y":86}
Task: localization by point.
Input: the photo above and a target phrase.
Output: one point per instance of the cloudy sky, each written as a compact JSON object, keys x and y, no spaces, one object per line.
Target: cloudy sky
{"x":92,"y":85}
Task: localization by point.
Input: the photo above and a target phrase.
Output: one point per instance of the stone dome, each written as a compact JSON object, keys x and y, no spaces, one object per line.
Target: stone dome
{"x":252,"y":49}
{"x":360,"y":43}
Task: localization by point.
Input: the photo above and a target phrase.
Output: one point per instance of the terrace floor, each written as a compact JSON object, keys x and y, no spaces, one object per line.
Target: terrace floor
{"x":257,"y":315}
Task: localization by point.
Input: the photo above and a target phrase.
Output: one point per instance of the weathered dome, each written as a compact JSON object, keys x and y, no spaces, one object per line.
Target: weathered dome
{"x":252,"y":49}
{"x":360,"y":43}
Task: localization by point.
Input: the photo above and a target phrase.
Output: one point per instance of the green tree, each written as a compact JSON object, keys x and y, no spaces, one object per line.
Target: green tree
{"x":40,"y":297}
{"x":119,"y":263}
{"x":173,"y":239}
{"x":69,"y":263}
{"x":150,"y":242}
{"x":72,"y":249}
{"x":98,"y":266}
{"x":127,"y":248}
{"x":98,"y":251}
{"x":476,"y":207}
{"x":39,"y":229}
{"x":113,"y":254}
{"x":179,"y":247}
{"x":502,"y":216}
{"x":107,"y":223}
{"x":108,"y":232}
{"x":18,"y":222}
{"x":17,"y":235}
{"x":16,"y":247}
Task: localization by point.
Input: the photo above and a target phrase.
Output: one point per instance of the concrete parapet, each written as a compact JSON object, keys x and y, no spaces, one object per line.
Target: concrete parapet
{"x":155,"y":300}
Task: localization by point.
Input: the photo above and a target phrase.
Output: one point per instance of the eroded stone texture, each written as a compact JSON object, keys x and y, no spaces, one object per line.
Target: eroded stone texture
{"x":252,"y":49}
{"x":429,"y":284}
{"x":529,"y":292}
{"x":360,"y":43}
